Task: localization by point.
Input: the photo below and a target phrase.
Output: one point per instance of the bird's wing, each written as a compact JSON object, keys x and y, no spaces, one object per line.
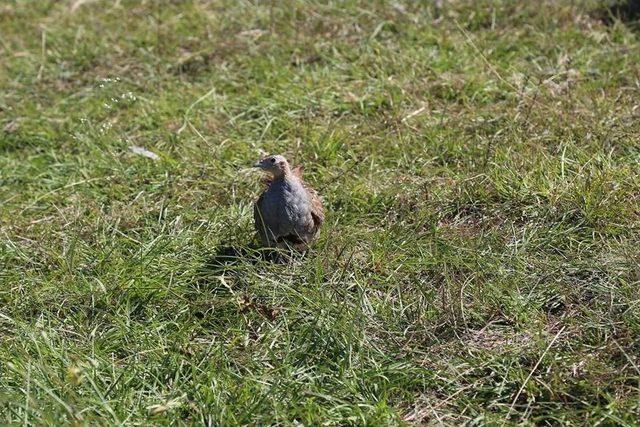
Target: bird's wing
{"x":297,"y":171}
{"x":317,"y":211}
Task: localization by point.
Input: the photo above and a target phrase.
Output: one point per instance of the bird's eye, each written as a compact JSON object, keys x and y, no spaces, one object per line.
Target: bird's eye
{"x":273,"y":160}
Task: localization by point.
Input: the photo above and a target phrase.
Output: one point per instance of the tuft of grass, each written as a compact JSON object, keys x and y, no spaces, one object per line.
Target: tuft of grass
{"x":479,"y":165}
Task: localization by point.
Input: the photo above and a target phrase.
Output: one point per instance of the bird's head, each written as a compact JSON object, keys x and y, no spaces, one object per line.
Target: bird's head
{"x":276,"y":165}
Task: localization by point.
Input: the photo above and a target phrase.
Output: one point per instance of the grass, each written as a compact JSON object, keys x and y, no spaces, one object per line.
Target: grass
{"x":479,"y":164}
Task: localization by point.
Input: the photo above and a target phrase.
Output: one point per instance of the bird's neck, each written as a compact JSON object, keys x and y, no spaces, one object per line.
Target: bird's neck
{"x":282,"y":176}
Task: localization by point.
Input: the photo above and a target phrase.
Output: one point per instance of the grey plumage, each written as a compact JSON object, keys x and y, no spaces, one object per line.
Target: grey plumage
{"x":288,"y":212}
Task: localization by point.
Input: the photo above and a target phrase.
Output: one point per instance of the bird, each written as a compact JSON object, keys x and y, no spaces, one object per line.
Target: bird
{"x":289,"y":212}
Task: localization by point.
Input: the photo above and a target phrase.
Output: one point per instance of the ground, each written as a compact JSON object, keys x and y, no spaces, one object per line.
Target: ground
{"x":479,"y":165}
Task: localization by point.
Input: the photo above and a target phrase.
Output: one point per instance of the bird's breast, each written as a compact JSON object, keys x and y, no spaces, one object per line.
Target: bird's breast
{"x":286,"y":201}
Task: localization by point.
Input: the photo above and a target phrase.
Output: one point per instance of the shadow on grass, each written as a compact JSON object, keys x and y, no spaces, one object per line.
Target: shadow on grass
{"x":222,"y":273}
{"x":231,"y":260}
{"x":236,"y":262}
{"x":227,"y":261}
{"x":626,"y":11}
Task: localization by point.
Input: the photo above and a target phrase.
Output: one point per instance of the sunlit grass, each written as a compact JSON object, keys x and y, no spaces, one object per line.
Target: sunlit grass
{"x":479,"y":259}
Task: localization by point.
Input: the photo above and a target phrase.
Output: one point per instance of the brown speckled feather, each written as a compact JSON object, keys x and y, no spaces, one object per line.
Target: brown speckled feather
{"x":317,"y":210}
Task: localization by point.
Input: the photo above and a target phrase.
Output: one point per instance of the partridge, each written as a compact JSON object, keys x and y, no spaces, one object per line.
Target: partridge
{"x":288,"y":212}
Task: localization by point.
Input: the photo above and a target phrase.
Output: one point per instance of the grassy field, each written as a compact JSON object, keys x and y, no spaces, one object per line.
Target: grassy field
{"x":479,"y":163}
